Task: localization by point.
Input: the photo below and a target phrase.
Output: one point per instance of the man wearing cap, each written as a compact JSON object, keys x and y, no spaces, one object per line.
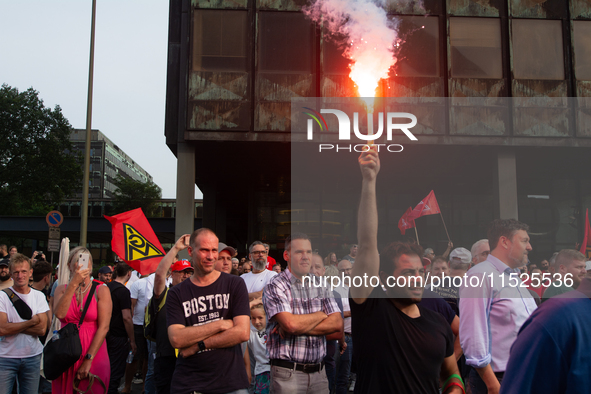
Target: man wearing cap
{"x":105,"y":274}
{"x":5,"y":279}
{"x":260,"y":275}
{"x":459,"y":263}
{"x":165,"y":353}
{"x":120,"y":338}
{"x":225,"y":254}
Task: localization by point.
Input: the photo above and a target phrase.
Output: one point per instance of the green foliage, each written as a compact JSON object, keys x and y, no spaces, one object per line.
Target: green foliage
{"x":131,"y":194}
{"x":37,"y":168}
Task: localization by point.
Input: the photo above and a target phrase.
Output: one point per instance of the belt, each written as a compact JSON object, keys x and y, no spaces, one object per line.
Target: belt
{"x":306,"y":368}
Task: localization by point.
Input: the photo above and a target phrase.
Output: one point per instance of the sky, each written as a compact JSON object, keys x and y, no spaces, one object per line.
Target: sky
{"x":46,"y":45}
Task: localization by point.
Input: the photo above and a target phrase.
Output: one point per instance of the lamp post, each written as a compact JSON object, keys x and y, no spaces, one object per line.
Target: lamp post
{"x":86,"y":179}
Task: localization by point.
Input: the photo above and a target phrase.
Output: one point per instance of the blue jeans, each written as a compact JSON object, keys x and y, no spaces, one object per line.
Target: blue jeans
{"x":26,"y":370}
{"x":344,"y":367}
{"x":150,"y":385}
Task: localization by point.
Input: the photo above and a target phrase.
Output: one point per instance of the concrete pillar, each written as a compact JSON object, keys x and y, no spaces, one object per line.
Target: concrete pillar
{"x":185,"y":191}
{"x":507,"y":185}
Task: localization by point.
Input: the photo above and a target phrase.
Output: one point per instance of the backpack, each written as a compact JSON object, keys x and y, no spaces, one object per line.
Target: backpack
{"x":151,"y":316}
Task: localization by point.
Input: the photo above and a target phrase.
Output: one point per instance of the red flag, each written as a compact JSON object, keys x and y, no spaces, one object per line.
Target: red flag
{"x":586,"y":245}
{"x":428,"y":206}
{"x":134,"y":241}
{"x":404,"y":223}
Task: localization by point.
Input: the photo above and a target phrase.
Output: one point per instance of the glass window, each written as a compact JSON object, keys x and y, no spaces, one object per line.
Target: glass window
{"x":419,"y":52}
{"x":537,"y":49}
{"x":333,"y":59}
{"x":220,"y":40}
{"x":475,"y":48}
{"x":286,"y":42}
{"x":582,"y":39}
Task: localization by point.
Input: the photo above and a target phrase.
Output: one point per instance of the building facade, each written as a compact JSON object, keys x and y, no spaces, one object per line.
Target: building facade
{"x":107,"y":161}
{"x":235,"y":66}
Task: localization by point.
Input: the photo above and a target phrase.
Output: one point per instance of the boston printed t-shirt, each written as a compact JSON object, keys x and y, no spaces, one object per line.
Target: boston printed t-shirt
{"x":213,"y":370}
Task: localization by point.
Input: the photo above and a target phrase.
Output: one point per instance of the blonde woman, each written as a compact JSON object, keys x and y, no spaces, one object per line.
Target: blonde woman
{"x":69,"y":303}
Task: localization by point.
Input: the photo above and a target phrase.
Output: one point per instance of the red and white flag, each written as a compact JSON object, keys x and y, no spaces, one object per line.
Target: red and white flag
{"x":405,"y":223}
{"x":586,"y":245}
{"x":428,"y":206}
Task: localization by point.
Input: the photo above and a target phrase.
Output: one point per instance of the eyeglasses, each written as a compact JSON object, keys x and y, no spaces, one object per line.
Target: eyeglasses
{"x":485,"y":253}
{"x":258,"y":252}
{"x":346,"y":270}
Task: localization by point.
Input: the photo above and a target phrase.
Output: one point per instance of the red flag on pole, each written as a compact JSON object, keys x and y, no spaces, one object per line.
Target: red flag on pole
{"x":134,"y":241}
{"x":404,"y":223}
{"x":586,"y":245}
{"x":428,"y":206}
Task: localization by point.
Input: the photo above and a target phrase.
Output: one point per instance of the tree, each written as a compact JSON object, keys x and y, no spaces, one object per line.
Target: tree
{"x":131,"y":194}
{"x":37,"y":166}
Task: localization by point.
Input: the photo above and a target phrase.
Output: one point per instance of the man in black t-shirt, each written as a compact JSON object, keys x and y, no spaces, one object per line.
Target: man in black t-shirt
{"x":400,"y":347}
{"x":120,"y":336}
{"x":208,"y":318}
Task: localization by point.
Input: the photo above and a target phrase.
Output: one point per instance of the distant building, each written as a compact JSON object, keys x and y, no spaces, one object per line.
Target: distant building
{"x":107,"y":161}
{"x":235,"y":66}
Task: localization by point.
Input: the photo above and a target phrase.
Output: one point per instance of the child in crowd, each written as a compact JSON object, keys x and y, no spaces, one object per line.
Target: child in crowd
{"x":258,"y":345}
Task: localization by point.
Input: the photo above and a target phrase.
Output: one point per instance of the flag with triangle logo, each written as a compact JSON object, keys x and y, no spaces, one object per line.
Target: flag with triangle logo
{"x":428,"y":206}
{"x":586,"y":245}
{"x":134,"y":241}
{"x":405,"y":223}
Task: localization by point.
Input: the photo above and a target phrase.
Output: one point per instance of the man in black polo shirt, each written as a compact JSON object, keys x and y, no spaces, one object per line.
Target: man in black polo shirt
{"x":120,"y":335}
{"x":399,"y":347}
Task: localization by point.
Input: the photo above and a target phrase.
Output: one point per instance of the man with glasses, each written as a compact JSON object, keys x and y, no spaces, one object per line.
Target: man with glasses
{"x":480,"y":251}
{"x":260,"y":275}
{"x":224,"y":262}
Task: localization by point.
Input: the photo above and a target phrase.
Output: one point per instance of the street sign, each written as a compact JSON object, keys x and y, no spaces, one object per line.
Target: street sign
{"x":54,"y":233}
{"x":54,"y":218}
{"x":53,"y":245}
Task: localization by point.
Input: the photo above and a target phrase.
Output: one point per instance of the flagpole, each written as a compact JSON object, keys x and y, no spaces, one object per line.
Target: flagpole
{"x":417,"y":234}
{"x":444,"y":226}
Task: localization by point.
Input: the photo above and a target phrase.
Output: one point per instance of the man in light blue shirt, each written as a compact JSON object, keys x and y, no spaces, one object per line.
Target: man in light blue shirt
{"x":494,"y":304}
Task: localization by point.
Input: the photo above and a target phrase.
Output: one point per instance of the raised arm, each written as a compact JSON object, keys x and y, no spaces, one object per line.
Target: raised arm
{"x":160,"y":278}
{"x":367,"y":260}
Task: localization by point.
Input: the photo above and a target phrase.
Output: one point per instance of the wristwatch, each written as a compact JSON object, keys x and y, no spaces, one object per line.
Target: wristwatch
{"x":88,"y":356}
{"x":201,"y":346}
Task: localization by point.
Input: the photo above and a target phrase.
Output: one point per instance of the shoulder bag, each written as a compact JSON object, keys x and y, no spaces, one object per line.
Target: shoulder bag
{"x":65,"y":348}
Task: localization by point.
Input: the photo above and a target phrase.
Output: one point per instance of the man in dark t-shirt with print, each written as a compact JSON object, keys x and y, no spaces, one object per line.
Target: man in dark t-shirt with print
{"x":120,"y":338}
{"x":208,"y":318}
{"x":400,"y":347}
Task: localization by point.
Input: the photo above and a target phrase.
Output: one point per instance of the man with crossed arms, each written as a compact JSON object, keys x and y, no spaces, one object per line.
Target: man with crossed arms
{"x":299,"y":316}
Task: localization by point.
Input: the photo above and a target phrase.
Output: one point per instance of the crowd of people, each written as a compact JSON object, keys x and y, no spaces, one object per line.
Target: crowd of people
{"x":484,"y":320}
